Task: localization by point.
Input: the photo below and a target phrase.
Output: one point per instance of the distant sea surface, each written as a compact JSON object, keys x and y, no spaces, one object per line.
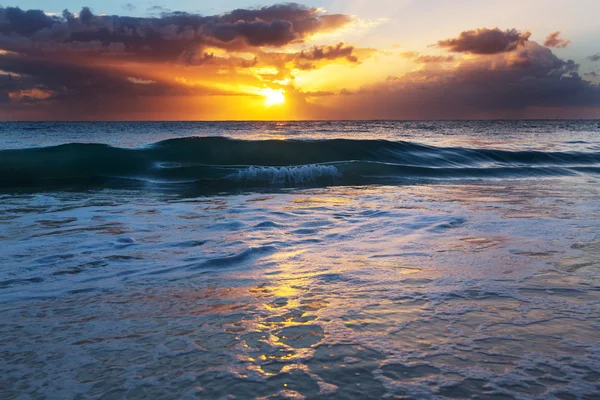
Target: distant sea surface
{"x":430,"y":259}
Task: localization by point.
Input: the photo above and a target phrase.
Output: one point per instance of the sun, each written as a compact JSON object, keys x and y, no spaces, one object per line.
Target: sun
{"x":273,"y":97}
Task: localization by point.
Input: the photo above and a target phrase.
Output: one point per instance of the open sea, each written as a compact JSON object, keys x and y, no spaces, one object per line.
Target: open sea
{"x":291,"y":260}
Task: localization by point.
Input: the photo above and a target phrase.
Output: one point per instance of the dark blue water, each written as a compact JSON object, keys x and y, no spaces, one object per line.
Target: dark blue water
{"x":245,"y":155}
{"x":317,"y":260}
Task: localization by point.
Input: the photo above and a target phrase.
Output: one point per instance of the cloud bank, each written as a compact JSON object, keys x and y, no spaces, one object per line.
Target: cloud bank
{"x":517,"y":84}
{"x":165,"y":37}
{"x":187,"y":66}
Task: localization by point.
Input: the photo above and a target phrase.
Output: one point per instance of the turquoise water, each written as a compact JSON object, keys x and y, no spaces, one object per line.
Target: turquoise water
{"x":300,"y":260}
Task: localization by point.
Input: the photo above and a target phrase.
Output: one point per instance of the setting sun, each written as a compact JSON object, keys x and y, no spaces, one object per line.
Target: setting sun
{"x":273,"y":97}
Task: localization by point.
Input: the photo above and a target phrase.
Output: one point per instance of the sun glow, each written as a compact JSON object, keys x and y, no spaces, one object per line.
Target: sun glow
{"x":273,"y":96}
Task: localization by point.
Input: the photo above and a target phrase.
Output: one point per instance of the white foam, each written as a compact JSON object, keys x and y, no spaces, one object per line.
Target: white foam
{"x":297,"y":174}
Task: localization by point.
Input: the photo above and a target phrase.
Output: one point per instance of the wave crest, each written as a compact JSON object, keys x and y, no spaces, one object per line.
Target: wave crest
{"x":228,"y":163}
{"x":282,"y":175}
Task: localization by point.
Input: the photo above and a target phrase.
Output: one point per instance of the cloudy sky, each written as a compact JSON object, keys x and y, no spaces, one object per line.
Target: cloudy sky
{"x":335,"y":59}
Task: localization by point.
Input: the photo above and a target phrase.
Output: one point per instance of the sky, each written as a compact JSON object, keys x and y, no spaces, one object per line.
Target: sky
{"x":333,"y":59}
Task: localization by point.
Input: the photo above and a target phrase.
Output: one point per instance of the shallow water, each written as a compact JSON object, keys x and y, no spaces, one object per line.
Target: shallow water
{"x":458,"y":286}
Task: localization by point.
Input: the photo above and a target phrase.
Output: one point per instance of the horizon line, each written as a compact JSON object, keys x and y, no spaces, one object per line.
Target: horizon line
{"x":301,"y":120}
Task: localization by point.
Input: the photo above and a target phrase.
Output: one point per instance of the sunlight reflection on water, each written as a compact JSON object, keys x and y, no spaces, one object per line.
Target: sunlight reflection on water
{"x":347,"y":292}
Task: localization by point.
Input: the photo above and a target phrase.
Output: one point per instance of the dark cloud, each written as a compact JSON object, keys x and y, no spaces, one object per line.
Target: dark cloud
{"x":129,"y":7}
{"x":307,"y":59}
{"x":486,"y":41}
{"x":167,"y":36}
{"x":194,"y":57}
{"x":340,"y":50}
{"x":14,"y":82}
{"x":505,"y":85}
{"x":592,"y":74}
{"x":86,"y":16}
{"x":554,"y":40}
{"x":158,"y":10}
{"x":304,"y":20}
{"x":56,"y":89}
{"x":257,"y":33}
{"x":67,"y":81}
{"x":594,"y":57}
{"x":14,"y":21}
{"x":84,"y":82}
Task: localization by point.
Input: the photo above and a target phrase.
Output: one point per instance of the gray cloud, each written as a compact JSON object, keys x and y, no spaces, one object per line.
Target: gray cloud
{"x":340,"y":50}
{"x":486,"y":41}
{"x":158,"y":10}
{"x":306,"y":59}
{"x":594,"y":57}
{"x":86,"y":16}
{"x":15,"y":21}
{"x":56,"y":89}
{"x":496,"y":86}
{"x":167,"y":36}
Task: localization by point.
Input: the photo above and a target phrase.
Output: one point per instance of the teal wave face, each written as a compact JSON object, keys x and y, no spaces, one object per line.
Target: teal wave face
{"x":235,"y":163}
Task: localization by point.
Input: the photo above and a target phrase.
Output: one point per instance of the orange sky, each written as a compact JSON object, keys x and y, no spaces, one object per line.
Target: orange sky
{"x":285,"y":61}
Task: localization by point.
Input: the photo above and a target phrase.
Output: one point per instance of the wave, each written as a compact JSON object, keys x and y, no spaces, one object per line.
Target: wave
{"x":234,"y":163}
{"x":282,"y":175}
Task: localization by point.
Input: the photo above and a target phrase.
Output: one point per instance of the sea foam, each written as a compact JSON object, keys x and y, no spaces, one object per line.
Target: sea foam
{"x":280,"y":175}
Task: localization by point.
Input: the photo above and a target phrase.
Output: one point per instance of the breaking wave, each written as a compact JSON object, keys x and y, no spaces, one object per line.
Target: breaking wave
{"x":234,"y":163}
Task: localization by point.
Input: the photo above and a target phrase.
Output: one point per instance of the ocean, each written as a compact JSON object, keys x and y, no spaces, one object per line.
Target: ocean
{"x":274,"y":260}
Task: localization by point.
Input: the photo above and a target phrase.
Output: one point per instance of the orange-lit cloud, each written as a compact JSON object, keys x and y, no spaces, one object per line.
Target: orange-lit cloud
{"x":425,"y":58}
{"x":554,"y":40}
{"x":82,"y":62}
{"x":504,"y":85}
{"x":276,"y":62}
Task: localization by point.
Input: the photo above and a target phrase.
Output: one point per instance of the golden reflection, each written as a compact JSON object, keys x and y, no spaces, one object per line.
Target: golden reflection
{"x":395,"y":265}
{"x":285,"y":255}
{"x":321,"y":200}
